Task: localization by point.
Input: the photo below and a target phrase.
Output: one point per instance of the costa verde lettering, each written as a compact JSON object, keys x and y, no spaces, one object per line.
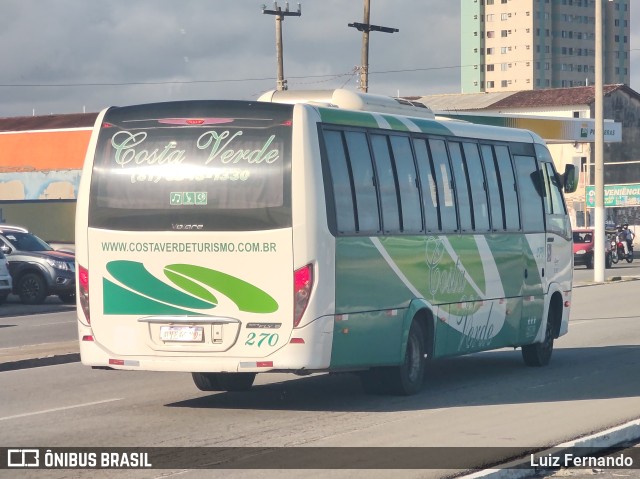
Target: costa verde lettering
{"x":155,"y":164}
{"x":220,"y":142}
{"x":444,"y":278}
{"x":124,"y":142}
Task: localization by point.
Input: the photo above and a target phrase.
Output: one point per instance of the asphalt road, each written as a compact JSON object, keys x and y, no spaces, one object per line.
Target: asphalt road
{"x":582,"y":275}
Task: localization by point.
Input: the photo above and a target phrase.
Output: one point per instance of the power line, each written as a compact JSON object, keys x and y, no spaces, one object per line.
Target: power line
{"x":168,"y":82}
{"x":228,"y":80}
{"x":239,"y":80}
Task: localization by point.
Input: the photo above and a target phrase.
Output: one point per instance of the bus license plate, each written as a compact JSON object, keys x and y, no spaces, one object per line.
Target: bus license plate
{"x":191,"y":334}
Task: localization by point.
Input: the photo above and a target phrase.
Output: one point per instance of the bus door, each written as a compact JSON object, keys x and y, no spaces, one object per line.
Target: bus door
{"x":558,"y":266}
{"x":534,"y":247}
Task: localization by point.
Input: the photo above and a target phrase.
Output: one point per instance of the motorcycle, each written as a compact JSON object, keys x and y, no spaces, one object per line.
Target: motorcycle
{"x":619,"y":250}
{"x":613,"y":241}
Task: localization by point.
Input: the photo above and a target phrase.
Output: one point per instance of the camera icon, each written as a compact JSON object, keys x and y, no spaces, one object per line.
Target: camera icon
{"x":23,"y":458}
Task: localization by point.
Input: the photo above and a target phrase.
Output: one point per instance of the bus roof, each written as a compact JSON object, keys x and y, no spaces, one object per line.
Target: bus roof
{"x":350,"y":100}
{"x":412,"y":116}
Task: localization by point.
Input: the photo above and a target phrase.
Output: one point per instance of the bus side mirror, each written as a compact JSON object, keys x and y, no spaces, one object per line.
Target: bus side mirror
{"x":570,"y":179}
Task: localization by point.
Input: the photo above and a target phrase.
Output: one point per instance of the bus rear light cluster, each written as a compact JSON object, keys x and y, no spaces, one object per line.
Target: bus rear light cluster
{"x":302,"y":285}
{"x":83,"y":286}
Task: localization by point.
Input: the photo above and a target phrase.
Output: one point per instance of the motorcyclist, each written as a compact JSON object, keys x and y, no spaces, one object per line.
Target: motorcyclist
{"x":626,"y":237}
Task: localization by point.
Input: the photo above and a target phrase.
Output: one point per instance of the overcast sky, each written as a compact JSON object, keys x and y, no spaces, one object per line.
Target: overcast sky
{"x":65,"y":56}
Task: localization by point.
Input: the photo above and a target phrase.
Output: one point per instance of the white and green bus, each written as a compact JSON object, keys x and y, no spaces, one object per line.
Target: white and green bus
{"x":316,"y":232}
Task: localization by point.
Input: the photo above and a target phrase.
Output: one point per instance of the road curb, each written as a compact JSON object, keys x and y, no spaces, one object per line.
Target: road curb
{"x":623,"y":278}
{"x":593,"y":445}
{"x":610,"y":279}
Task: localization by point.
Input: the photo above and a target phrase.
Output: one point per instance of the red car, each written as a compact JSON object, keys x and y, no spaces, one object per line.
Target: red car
{"x":583,"y":248}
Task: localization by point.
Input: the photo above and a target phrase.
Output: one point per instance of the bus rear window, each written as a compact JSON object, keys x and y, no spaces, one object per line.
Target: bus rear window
{"x":223,"y":167}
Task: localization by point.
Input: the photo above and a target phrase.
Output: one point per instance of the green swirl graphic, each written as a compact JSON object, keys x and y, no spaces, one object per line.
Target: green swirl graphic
{"x":146,"y":294}
{"x":246,"y":296}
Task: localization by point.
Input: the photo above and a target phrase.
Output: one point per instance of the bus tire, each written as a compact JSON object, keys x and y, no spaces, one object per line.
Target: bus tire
{"x":206,"y":381}
{"x":405,"y":379}
{"x":539,"y":354}
{"x":223,"y":381}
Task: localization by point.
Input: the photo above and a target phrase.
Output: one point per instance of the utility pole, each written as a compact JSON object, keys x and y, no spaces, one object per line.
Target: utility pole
{"x":281,"y":83}
{"x":598,"y":244}
{"x":365,"y":28}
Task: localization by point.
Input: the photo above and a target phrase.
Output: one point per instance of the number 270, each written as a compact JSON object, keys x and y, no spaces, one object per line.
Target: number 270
{"x":259,"y":339}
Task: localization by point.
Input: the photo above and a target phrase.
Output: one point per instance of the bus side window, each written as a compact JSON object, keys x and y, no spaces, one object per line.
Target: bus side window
{"x":553,"y":183}
{"x":555,"y":191}
{"x":444,"y":181}
{"x":340,"y":181}
{"x":461,"y":183}
{"x":367,"y":215}
{"x":509,"y":191}
{"x":477,"y":187}
{"x":428,"y":184}
{"x":386,"y":183}
{"x":557,"y":220}
{"x":496,"y":198}
{"x":407,"y":184}
{"x":529,"y":185}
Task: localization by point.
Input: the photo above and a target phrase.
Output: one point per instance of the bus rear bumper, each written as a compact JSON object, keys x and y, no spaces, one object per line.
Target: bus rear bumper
{"x":308,"y":349}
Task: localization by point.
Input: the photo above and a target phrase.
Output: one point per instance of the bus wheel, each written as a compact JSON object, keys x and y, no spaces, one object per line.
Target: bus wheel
{"x":223,"y":381}
{"x":206,"y":381}
{"x":539,"y":354}
{"x":405,"y":379}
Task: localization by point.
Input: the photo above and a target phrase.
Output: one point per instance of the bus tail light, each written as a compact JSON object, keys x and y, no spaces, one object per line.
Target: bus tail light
{"x":302,"y":285}
{"x":83,"y":286}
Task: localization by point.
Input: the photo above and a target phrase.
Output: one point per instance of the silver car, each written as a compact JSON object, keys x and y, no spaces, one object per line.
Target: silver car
{"x":5,"y":278}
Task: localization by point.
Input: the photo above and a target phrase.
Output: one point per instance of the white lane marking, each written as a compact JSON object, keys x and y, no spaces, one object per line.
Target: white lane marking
{"x":46,"y":411}
{"x":576,"y":322}
{"x":55,"y":323}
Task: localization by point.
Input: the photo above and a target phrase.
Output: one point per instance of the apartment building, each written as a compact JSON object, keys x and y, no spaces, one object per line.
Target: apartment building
{"x":512,"y":45}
